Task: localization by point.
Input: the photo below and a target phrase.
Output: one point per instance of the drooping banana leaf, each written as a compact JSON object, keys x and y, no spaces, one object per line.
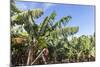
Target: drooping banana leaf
{"x":62,"y":21}
{"x":22,"y":17}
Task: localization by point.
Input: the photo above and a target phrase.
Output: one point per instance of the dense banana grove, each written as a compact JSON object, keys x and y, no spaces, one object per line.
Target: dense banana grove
{"x":47,"y":42}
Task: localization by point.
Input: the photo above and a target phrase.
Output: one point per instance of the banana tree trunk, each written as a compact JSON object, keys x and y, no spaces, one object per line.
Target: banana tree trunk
{"x":55,"y":59}
{"x":29,"y":57}
{"x":30,"y":53}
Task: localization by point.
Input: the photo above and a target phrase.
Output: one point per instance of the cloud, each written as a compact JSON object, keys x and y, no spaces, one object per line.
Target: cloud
{"x":22,"y":6}
{"x":47,"y":5}
{"x":31,"y":5}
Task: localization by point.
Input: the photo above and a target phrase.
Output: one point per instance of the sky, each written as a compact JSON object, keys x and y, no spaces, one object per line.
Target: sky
{"x":82,"y":15}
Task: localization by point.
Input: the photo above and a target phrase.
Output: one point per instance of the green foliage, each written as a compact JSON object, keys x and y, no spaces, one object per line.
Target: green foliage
{"x":25,"y":16}
{"x":29,"y":38}
{"x":62,"y":21}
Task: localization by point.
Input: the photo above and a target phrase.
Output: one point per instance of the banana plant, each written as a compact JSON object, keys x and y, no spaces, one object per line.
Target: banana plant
{"x":41,"y":35}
